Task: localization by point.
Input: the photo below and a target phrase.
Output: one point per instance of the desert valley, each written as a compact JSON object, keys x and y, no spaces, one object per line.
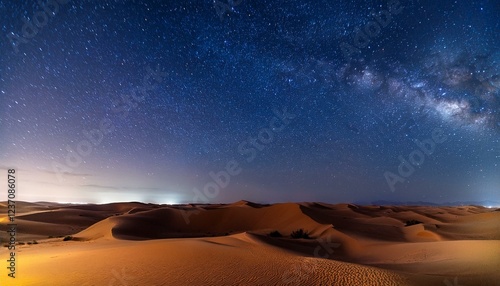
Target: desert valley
{"x":246,"y":243}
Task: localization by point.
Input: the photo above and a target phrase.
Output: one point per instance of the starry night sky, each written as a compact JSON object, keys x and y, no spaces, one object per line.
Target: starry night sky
{"x":180,"y":88}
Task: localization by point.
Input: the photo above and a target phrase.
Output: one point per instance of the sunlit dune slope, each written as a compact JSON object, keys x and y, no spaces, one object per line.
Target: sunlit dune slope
{"x":229,"y":244}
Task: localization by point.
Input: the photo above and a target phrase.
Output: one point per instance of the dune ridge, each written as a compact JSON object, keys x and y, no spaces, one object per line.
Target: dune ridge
{"x":225,"y":244}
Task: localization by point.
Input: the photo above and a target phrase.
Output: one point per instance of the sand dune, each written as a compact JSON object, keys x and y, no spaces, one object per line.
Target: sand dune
{"x":145,"y":244}
{"x":169,"y":222}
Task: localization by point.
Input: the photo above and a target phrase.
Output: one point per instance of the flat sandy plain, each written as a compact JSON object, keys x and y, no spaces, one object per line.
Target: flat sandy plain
{"x":145,"y":244}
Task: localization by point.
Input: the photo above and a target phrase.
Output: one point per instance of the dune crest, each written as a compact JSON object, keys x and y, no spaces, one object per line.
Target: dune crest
{"x":231,"y":244}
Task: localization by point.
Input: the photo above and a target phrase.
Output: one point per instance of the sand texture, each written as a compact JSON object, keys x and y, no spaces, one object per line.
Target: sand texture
{"x":145,"y":244}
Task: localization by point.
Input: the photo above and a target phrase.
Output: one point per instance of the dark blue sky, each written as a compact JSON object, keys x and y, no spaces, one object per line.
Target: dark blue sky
{"x":269,"y":101}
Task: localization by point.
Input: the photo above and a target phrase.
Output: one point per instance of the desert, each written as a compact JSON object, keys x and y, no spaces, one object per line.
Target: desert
{"x":237,"y":142}
{"x":247,"y":243}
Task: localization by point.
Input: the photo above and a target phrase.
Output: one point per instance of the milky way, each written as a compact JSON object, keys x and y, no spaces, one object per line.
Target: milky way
{"x":188,"y":101}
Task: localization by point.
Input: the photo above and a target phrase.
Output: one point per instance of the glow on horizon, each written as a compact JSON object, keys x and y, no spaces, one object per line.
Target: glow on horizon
{"x":39,"y":186}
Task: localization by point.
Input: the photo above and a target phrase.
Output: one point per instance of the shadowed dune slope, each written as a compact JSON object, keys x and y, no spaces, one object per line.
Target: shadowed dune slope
{"x":228,"y":244}
{"x":168,"y":222}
